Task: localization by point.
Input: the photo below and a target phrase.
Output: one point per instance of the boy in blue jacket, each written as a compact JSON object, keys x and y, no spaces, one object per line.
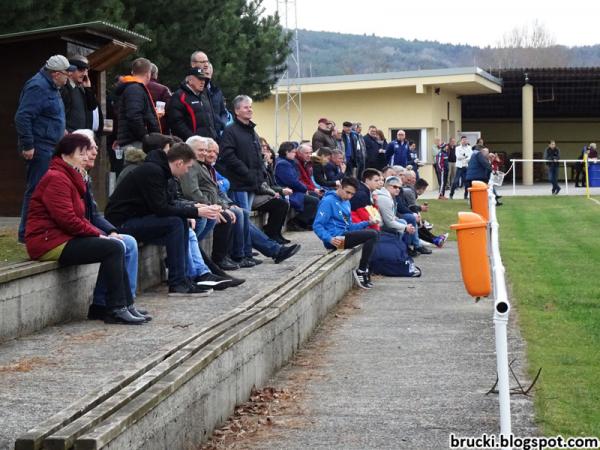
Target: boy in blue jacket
{"x":333,"y":225}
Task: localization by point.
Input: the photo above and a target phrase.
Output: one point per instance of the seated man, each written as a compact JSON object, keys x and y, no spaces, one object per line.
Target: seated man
{"x":97,"y":310}
{"x":363,"y":200}
{"x":333,"y":225}
{"x":139,"y":206}
{"x":287,"y":175}
{"x":336,"y":167}
{"x":205,"y":183}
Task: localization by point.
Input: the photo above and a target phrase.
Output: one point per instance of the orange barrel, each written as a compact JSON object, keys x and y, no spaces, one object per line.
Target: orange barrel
{"x":471,"y":233}
{"x":479,"y":199}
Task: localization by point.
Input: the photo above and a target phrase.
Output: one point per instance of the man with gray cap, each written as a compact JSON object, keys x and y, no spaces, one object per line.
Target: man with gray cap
{"x":40,"y":123}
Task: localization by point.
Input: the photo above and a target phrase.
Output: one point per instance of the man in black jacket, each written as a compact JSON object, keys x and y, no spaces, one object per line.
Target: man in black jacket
{"x":81,"y":106}
{"x":189,"y":112}
{"x":139,"y":206}
{"x":136,"y":114}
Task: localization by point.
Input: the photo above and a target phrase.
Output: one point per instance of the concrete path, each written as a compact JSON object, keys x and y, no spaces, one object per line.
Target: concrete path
{"x":538,"y":189}
{"x":43,"y":373}
{"x":400,"y":366}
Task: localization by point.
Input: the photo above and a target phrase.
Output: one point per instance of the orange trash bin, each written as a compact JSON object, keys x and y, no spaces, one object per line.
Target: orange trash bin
{"x":471,"y":233}
{"x":479,"y":199}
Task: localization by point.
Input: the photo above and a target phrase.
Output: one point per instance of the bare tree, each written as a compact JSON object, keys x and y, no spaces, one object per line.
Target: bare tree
{"x":526,"y":46}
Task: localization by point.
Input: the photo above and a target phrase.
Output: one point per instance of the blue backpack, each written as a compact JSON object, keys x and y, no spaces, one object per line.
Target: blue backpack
{"x":390,"y":258}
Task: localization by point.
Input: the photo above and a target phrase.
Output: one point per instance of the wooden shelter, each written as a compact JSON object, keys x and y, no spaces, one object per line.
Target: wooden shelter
{"x":24,"y":53}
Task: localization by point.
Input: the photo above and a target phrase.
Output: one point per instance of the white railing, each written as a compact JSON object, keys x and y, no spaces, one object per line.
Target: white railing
{"x":501,"y":313}
{"x":564,"y":161}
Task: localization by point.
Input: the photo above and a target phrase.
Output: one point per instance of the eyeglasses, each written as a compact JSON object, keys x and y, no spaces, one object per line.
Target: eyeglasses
{"x":206,"y":61}
{"x":394,"y":186}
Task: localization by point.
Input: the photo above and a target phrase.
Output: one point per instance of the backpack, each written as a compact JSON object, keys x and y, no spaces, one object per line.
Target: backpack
{"x":390,"y":258}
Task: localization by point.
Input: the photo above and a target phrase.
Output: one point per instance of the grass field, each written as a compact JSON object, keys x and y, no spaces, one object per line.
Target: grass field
{"x":551,"y":249}
{"x":10,"y":249}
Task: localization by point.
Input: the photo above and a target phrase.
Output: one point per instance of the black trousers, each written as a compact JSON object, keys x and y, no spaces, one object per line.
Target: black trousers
{"x":306,"y":218}
{"x":222,"y":239}
{"x":111,"y":256}
{"x":367,"y":237}
{"x":277,"y":208}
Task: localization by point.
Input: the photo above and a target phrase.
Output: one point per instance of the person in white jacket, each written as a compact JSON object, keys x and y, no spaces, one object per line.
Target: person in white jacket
{"x":463,"y":155}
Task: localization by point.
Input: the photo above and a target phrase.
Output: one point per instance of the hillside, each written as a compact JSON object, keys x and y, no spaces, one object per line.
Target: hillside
{"x":326,"y":53}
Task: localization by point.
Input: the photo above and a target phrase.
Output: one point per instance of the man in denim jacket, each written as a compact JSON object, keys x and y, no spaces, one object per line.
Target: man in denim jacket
{"x":40,"y":123}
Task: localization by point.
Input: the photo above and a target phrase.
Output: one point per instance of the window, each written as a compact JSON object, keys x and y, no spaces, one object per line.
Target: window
{"x":418,"y":135}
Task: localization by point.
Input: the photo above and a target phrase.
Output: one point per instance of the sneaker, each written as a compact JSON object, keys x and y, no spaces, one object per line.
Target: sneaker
{"x":412,"y":252}
{"x":233,"y":282}
{"x":256,"y":261}
{"x":227,"y":264}
{"x":557,"y":190}
{"x":423,"y":250}
{"x":438,"y":242}
{"x":369,"y":282}
{"x":286,"y":252}
{"x":209,"y":280}
{"x":361,"y":278}
{"x":185,"y":290}
{"x":427,"y":225}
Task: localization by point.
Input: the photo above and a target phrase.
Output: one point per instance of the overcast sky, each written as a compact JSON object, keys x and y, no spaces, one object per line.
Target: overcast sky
{"x":574,"y":22}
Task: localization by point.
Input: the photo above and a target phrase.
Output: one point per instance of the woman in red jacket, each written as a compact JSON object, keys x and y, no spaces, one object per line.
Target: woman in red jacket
{"x":57,"y":229}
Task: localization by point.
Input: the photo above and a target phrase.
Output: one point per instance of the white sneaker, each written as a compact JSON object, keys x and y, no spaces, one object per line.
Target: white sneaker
{"x":362,"y":279}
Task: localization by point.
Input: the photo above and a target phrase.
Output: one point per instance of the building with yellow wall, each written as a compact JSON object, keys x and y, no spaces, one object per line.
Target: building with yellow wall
{"x":425,"y":103}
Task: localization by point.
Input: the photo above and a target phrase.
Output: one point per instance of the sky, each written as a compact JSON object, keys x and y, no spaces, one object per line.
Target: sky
{"x":478,"y":23}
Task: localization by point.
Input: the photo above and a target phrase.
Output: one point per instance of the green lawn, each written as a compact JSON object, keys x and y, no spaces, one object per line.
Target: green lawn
{"x":551,"y":249}
{"x":10,"y":249}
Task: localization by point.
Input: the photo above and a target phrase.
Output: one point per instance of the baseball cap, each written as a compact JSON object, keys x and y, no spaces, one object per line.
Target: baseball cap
{"x":198,"y":73}
{"x":59,"y":63}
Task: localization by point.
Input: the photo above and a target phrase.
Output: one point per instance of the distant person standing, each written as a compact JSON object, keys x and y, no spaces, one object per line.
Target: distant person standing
{"x":40,"y":124}
{"x":552,"y":156}
{"x":159,"y":93}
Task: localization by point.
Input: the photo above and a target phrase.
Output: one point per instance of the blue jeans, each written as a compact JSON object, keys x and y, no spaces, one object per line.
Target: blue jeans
{"x":258,"y":240}
{"x":411,"y":238}
{"x":204,"y":227}
{"x":241,"y":232}
{"x":461,"y":176}
{"x":195,"y":263}
{"x":553,"y":177}
{"x":131,"y":267}
{"x":35,"y":170}
{"x":170,"y":231}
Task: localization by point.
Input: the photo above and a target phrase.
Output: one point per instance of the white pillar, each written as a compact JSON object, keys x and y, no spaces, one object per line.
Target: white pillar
{"x":527,"y":133}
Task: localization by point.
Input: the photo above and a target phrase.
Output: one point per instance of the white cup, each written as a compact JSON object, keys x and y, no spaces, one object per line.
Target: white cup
{"x":160,"y":107}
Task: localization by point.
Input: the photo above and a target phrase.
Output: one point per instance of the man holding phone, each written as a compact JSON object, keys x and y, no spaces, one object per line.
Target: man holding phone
{"x":81,"y":106}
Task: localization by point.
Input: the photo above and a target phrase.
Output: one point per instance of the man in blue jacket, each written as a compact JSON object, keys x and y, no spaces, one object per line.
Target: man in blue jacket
{"x":40,"y":123}
{"x":396,"y":152}
{"x":333,"y":225}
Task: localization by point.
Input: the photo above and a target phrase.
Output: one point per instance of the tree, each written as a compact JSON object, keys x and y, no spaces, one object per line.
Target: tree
{"x":248,"y":50}
{"x":526,"y":46}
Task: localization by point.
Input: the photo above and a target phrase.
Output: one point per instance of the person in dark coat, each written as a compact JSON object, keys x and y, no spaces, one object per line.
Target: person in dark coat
{"x":159,"y":93}
{"x":287,"y":175}
{"x":375,"y":150}
{"x":212,"y":92}
{"x":189,"y":112}
{"x":40,"y":123}
{"x":396,"y":152}
{"x":319,"y":162}
{"x":140,"y":206}
{"x":136,"y":113}
{"x":323,"y":136}
{"x":240,"y":160}
{"x":552,"y":156}
{"x":479,"y":168}
{"x":81,"y":105}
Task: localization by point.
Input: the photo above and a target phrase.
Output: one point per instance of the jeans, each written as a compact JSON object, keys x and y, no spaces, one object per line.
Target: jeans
{"x":277,"y":210}
{"x":461,"y":173}
{"x":35,"y":170}
{"x":411,"y":239}
{"x":241,"y":232}
{"x":170,"y":231}
{"x":242,"y":245}
{"x":204,"y":227}
{"x":261,"y":242}
{"x":111,"y":255}
{"x":307,"y":216}
{"x":195,"y":263}
{"x":553,"y":177}
{"x":131,"y":267}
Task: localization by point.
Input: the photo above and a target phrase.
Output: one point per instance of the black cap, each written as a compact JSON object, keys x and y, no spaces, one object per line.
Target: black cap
{"x":347,"y":124}
{"x":198,"y":73}
{"x":81,"y":65}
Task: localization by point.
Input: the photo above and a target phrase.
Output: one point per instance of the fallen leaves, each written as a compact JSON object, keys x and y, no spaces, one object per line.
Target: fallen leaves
{"x":251,"y":417}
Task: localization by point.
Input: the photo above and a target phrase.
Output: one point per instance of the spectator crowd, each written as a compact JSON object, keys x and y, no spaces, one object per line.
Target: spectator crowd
{"x":194,"y":168}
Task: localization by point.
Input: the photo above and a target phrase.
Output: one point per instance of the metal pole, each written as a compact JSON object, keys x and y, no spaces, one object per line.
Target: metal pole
{"x":566,"y":182}
{"x":514,"y":178}
{"x":501,"y":312}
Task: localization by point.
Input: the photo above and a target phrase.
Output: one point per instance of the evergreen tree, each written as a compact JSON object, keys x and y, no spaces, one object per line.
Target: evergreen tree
{"x":248,"y":52}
